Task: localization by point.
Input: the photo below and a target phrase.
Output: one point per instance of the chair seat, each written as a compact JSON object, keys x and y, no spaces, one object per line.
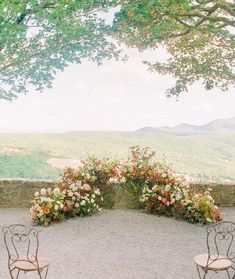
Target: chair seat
{"x":26,"y":265}
{"x":215,"y":262}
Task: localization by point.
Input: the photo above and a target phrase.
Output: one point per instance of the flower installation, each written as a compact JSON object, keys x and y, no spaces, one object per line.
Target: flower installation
{"x":55,"y":205}
{"x":151,"y":184}
{"x":199,"y":208}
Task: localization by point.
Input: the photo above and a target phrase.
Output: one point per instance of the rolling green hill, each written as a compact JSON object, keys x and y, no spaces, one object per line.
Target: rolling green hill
{"x":204,"y":156}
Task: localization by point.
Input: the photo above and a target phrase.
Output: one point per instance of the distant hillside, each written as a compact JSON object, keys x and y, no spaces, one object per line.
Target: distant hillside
{"x":219,"y":126}
{"x":203,"y":156}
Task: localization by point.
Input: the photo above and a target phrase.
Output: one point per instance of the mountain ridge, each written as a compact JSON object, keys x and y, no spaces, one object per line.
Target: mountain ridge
{"x":218,"y":126}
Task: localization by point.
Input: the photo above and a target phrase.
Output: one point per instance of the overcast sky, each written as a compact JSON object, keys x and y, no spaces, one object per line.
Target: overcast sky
{"x":115,"y":96}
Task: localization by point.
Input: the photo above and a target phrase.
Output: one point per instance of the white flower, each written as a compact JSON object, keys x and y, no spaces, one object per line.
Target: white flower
{"x":77,"y":194}
{"x":74,"y":188}
{"x":56,"y":191}
{"x":43,"y":191}
{"x":167,"y":188}
{"x":178,"y":196}
{"x":43,"y":199}
{"x":159,"y":198}
{"x":155,"y":188}
{"x":56,"y":207}
{"x":70,"y":194}
{"x":93,"y":196}
{"x":92,"y":200}
{"x":36,"y":194}
{"x":172,"y":201}
{"x":40,"y":214}
{"x":83,"y":202}
{"x":76,"y":205}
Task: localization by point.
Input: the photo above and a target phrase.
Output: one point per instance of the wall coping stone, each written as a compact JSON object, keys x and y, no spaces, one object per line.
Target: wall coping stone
{"x":17,"y":193}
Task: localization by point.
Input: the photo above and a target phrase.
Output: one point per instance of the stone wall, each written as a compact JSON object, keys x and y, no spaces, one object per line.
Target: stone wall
{"x":19,"y":193}
{"x":224,"y":193}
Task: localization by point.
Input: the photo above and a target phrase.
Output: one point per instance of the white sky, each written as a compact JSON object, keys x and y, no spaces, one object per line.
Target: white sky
{"x":115,"y":96}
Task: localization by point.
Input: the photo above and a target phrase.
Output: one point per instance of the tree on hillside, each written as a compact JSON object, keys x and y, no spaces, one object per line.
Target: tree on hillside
{"x":198,"y":34}
{"x":39,"y":37}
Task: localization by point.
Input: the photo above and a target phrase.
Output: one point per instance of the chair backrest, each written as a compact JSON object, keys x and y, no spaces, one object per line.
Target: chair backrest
{"x":220,"y":240}
{"x":21,"y":243}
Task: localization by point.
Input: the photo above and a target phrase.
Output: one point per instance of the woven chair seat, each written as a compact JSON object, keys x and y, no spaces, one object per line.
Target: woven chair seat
{"x":26,"y":265}
{"x":215,"y":262}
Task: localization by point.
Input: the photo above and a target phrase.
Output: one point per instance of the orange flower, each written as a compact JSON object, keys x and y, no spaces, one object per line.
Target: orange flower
{"x":164,"y":200}
{"x":46,"y":209}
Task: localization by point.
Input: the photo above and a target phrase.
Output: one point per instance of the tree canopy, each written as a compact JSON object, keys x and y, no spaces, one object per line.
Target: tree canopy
{"x":40,"y":37}
{"x":198,"y":34}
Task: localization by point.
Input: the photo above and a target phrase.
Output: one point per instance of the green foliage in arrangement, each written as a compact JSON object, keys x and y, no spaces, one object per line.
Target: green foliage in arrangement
{"x":94,"y":171}
{"x":140,"y":170}
{"x":198,"y":208}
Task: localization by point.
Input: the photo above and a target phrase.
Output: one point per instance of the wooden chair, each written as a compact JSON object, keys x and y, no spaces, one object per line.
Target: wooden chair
{"x":220,"y":251}
{"x":22,"y":245}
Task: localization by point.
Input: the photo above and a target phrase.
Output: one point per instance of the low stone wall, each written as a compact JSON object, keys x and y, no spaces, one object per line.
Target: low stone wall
{"x":223,"y":193}
{"x":19,"y":193}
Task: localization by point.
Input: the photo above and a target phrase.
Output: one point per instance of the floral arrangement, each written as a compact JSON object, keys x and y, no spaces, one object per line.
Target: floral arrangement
{"x":162,"y":198}
{"x":55,"y":205}
{"x":199,"y":208}
{"x":176,"y":200}
{"x":146,"y":179}
{"x":92,"y":171}
{"x":152,"y":185}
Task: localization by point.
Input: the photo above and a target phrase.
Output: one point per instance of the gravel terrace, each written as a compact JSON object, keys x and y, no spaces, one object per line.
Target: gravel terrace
{"x":116,"y":244}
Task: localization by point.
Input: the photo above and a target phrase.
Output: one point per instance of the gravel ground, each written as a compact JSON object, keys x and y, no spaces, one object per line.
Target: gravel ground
{"x":116,"y":244}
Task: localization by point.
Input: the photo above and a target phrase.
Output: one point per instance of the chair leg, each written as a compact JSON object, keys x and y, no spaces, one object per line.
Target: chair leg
{"x":228,"y":274}
{"x":46,"y":272}
{"x":205,"y":271}
{"x":198,"y":271}
{"x":39,"y":274}
{"x":17,"y":274}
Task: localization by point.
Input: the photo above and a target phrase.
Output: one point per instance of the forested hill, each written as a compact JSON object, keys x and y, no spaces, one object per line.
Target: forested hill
{"x":204,"y":156}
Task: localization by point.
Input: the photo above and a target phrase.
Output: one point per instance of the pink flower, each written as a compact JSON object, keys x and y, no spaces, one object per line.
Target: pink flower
{"x":86,"y":187}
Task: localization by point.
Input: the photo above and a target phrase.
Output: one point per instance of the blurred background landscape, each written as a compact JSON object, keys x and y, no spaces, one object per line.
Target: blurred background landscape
{"x":205,"y":152}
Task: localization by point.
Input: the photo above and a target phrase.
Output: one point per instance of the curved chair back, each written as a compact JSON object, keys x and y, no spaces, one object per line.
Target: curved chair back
{"x":22,"y":244}
{"x":220,"y":240}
